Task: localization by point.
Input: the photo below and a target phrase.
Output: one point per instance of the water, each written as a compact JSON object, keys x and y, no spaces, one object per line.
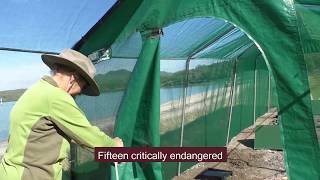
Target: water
{"x":4,"y":119}
{"x":107,"y":104}
{"x":102,"y":107}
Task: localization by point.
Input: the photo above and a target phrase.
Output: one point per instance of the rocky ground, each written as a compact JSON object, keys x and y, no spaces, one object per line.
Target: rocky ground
{"x":244,"y":161}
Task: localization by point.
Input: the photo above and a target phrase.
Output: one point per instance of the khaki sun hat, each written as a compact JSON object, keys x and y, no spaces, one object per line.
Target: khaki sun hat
{"x":80,"y":63}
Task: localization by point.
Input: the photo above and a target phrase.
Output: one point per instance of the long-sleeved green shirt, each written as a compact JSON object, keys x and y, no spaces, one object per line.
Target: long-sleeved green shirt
{"x":42,"y":123}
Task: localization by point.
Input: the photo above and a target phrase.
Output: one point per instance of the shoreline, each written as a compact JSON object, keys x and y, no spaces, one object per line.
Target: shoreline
{"x":197,"y":105}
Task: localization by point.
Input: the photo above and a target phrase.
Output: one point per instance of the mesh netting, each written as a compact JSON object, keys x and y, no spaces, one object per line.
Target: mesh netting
{"x":112,"y":78}
{"x":211,"y":87}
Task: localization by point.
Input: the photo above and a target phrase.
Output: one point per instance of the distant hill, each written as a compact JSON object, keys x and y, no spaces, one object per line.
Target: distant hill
{"x":11,"y":95}
{"x":118,"y":80}
{"x":201,"y":74}
{"x":113,"y":80}
{"x":164,"y":73}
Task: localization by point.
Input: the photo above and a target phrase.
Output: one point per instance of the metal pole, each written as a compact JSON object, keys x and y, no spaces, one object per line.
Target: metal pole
{"x":73,"y":156}
{"x":183,"y":108}
{"x":199,"y":49}
{"x":269,"y":91}
{"x":255,"y":92}
{"x":116,"y":169}
{"x":232,"y":99}
{"x":27,"y":51}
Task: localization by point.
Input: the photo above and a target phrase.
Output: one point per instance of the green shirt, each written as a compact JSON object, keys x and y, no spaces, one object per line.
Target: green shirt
{"x":42,"y":123}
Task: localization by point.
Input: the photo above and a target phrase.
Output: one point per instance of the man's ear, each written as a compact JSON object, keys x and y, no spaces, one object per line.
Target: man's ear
{"x":72,"y":78}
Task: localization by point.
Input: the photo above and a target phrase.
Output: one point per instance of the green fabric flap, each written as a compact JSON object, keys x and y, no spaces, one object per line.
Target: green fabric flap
{"x":137,"y":121}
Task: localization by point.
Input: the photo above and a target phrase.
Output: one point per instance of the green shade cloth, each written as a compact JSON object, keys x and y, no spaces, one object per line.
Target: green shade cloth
{"x":286,"y":32}
{"x":137,"y":122}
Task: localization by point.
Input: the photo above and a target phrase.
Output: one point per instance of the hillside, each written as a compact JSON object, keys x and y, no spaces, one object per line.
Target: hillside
{"x":113,"y":80}
{"x":11,"y":95}
{"x":201,"y":74}
{"x":118,"y":80}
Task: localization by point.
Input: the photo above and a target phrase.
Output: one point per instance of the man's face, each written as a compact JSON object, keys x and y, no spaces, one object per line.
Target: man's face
{"x":77,"y":85}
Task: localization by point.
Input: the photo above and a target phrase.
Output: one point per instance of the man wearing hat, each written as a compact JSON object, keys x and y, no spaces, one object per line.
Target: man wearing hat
{"x":46,"y":118}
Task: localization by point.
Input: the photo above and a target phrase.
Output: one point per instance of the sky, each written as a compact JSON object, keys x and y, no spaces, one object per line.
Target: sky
{"x":46,"y":25}
{"x":20,"y":70}
{"x":41,"y":25}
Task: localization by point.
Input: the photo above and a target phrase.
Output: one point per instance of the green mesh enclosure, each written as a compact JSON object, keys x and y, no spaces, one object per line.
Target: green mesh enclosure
{"x":206,"y":88}
{"x":223,"y":82}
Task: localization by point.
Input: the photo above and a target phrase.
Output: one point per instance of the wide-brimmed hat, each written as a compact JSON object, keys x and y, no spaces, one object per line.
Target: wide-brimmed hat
{"x":79,"y":63}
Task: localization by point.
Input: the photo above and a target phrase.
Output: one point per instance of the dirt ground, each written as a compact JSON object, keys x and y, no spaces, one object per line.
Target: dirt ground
{"x":244,"y":161}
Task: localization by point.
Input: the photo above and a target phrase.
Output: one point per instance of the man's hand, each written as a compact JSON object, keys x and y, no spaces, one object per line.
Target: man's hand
{"x":118,"y":141}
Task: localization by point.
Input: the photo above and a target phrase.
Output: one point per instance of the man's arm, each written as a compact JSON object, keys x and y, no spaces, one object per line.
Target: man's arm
{"x":71,"y":120}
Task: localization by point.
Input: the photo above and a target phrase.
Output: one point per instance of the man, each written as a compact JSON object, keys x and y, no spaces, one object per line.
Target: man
{"x":46,"y":118}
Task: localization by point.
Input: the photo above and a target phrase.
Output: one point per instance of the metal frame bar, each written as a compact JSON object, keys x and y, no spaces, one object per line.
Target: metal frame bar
{"x":209,"y":43}
{"x":27,"y":51}
{"x":232,"y":98}
{"x":198,"y":50}
{"x":269,"y":91}
{"x":255,"y":92}
{"x":183,"y":109}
